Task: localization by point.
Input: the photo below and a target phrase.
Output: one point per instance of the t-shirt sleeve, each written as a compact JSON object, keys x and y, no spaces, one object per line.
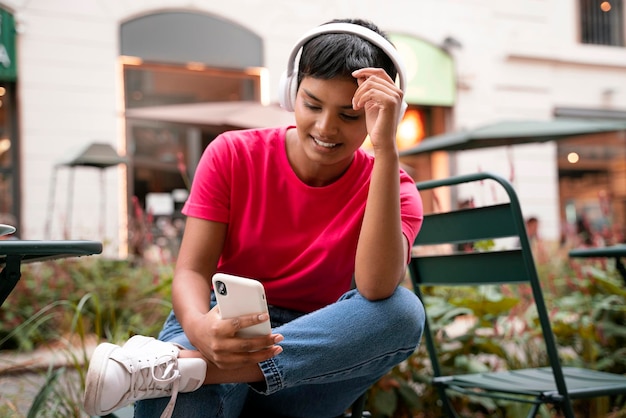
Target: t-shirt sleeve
{"x":411,"y":208}
{"x":209,"y":197}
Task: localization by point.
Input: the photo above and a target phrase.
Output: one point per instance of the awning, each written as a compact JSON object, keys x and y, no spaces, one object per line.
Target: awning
{"x":98,"y":155}
{"x":237,"y":114}
{"x":512,"y":133}
{"x":431,"y":78}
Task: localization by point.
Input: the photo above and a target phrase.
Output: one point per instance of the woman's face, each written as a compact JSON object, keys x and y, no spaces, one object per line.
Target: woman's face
{"x":329,"y":129}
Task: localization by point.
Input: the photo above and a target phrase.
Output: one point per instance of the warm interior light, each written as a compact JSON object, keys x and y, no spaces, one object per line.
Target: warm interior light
{"x":3,"y":91}
{"x":129,"y":60}
{"x":411,"y":129}
{"x":195,"y":66}
{"x":605,"y":6}
{"x":573,"y":157}
{"x":264,"y":81}
{"x":367,"y":144}
{"x":5,"y":145}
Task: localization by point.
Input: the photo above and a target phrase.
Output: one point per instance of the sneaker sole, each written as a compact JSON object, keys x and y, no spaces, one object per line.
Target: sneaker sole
{"x":93,"y":380}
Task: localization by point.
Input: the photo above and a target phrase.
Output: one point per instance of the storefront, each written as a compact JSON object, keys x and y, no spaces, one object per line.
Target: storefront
{"x":592,"y":182}
{"x":198,"y":58}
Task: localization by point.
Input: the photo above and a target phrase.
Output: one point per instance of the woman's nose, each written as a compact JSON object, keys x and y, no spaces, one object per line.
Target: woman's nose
{"x":327,"y":123}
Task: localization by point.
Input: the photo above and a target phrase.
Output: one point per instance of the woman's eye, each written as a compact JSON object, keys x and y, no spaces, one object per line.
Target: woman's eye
{"x":347,"y":117}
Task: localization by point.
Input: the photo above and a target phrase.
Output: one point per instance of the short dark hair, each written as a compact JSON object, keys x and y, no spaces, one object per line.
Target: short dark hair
{"x":332,"y":55}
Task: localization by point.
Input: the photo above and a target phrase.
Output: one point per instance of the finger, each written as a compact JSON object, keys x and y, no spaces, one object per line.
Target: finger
{"x":375,"y":91}
{"x":374,"y":77}
{"x":264,"y":354}
{"x":377,"y":84}
{"x":377,"y":99}
{"x":248,"y":344}
{"x":368,"y":71}
{"x":246,"y":321}
{"x":233,"y":360}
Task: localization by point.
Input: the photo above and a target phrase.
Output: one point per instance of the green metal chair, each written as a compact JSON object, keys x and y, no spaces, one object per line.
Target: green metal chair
{"x":554,"y":384}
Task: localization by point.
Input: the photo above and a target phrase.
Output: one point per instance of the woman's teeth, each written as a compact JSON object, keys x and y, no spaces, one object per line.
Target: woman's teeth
{"x":324,"y":144}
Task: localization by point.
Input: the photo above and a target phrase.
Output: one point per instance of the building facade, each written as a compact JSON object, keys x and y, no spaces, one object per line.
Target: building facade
{"x":74,"y":69}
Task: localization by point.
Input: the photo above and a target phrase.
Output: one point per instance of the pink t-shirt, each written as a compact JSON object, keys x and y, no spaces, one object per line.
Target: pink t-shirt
{"x":299,"y":241}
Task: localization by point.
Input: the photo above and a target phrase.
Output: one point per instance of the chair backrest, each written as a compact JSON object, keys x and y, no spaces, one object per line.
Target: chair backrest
{"x":459,"y":266}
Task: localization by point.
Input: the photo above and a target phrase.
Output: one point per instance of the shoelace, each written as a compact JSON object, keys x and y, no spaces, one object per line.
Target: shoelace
{"x":146,"y":380}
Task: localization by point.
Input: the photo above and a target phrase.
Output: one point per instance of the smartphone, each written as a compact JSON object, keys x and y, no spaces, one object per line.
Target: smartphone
{"x":238,"y":296}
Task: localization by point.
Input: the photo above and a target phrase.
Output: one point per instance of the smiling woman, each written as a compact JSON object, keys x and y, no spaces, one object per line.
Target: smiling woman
{"x":305,"y":211}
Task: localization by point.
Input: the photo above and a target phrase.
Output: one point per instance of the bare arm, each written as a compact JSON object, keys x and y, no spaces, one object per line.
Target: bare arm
{"x":382,"y":247}
{"x":197,"y":261}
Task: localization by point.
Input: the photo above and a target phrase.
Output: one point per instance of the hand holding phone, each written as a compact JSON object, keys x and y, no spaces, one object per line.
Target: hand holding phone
{"x":237,"y":296}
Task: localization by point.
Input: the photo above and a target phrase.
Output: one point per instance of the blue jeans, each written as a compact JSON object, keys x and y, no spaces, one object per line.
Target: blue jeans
{"x":330,"y":357}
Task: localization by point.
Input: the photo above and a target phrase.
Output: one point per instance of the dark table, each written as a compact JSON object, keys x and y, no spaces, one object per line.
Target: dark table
{"x":15,"y":252}
{"x":614,"y":251}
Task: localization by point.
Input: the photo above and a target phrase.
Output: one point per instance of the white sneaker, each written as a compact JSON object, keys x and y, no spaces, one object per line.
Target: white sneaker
{"x":144,"y":368}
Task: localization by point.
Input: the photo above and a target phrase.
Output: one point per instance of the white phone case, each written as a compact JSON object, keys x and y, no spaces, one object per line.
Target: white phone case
{"x":238,"y":296}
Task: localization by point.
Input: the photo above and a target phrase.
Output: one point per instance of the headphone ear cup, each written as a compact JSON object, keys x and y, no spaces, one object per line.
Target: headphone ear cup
{"x":293,"y":91}
{"x":287,"y":91}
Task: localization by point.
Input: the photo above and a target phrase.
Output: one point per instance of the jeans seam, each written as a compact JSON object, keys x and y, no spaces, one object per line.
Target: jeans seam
{"x":406,"y":352}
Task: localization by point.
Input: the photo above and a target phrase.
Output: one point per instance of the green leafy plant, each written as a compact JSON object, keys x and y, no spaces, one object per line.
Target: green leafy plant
{"x":92,"y":300}
{"x":76,"y":303}
{"x":116,"y":299}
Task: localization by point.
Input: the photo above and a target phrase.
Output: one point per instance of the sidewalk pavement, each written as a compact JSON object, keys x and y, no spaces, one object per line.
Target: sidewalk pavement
{"x":56,"y":355}
{"x":22,"y":374}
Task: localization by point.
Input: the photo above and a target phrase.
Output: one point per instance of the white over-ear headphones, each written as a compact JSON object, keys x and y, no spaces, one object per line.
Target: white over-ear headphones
{"x":288,"y":85}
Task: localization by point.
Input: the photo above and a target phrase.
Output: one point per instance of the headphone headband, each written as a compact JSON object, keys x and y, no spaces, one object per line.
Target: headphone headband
{"x":288,"y":82}
{"x":353,"y":29}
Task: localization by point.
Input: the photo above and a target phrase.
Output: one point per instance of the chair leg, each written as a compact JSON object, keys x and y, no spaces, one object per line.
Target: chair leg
{"x":357,"y":407}
{"x":533,"y":411}
{"x":446,"y":404}
{"x":567,"y":409}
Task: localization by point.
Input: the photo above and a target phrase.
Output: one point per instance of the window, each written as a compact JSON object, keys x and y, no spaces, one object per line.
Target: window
{"x":592,"y":187}
{"x":155,"y":147}
{"x":152,"y":84}
{"x":602,"y":22}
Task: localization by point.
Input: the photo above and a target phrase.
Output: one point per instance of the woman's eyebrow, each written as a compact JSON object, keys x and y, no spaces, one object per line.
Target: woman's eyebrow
{"x":313,"y":97}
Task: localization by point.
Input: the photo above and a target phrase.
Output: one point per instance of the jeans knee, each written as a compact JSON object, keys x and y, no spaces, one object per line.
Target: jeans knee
{"x":409,"y":315}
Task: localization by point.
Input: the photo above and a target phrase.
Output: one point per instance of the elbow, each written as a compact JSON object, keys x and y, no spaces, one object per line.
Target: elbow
{"x":375,"y":294}
{"x":376,"y":288}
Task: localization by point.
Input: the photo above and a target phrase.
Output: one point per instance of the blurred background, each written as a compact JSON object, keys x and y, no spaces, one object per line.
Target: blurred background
{"x":106,"y":106}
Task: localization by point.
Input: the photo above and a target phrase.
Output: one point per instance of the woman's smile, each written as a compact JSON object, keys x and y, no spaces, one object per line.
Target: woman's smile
{"x":325,"y":143}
